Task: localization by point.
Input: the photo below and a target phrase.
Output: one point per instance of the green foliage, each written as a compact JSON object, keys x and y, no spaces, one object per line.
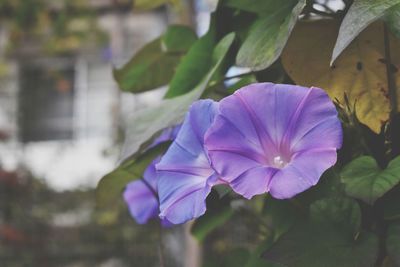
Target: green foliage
{"x":255,"y":259}
{"x":342,"y":213}
{"x":391,"y":209}
{"x":280,"y":214}
{"x":269,"y":35}
{"x":392,"y":20}
{"x":360,"y":15}
{"x":171,"y":111}
{"x":393,"y":243}
{"x":111,"y":185}
{"x":320,"y":240}
{"x":194,"y":65}
{"x":218,"y":212}
{"x":364,"y":179}
{"x":155,"y":64}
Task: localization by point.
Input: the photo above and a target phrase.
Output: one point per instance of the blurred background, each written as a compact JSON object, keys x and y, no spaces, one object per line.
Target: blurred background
{"x":61,"y":124}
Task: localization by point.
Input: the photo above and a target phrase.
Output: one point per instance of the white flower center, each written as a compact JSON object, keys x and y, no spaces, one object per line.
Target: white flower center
{"x":279,"y":162}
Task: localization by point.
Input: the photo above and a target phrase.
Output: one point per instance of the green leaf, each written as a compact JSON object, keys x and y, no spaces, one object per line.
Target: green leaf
{"x":255,"y":259}
{"x":218,"y":212}
{"x":393,"y":243}
{"x":236,"y":258}
{"x":310,"y":246}
{"x":170,"y":111}
{"x":391,"y":208}
{"x":111,"y":185}
{"x":392,"y":20}
{"x":360,"y":15}
{"x":280,"y":214}
{"x":155,"y":64}
{"x":244,"y":81}
{"x":343,"y":213}
{"x":319,"y":242}
{"x":364,"y":180}
{"x":196,"y":64}
{"x":269,"y":35}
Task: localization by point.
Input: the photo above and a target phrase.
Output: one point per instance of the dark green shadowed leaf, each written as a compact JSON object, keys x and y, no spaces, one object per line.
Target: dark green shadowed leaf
{"x":169,"y":112}
{"x":155,"y":64}
{"x":255,"y":259}
{"x":218,"y":212}
{"x":393,"y":243}
{"x":364,"y":180}
{"x":236,"y":258}
{"x":320,"y":242}
{"x":280,"y":214}
{"x":360,"y":15}
{"x":269,"y":35}
{"x":111,"y":185}
{"x":391,"y":208}
{"x":342,"y":213}
{"x":194,"y":65}
{"x":392,"y":20}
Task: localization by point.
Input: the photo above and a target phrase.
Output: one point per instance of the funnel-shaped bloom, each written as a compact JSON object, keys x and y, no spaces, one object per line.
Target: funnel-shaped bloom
{"x":185,"y":174}
{"x":141,"y":195}
{"x":276,"y":138}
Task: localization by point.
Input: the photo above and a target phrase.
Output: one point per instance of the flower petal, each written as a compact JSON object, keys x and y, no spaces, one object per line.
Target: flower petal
{"x":302,"y":172}
{"x":253,"y":181}
{"x":268,"y":125}
{"x":185,"y":176}
{"x":141,"y":201}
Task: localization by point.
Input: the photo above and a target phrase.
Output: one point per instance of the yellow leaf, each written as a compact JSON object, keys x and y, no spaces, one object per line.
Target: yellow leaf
{"x":360,"y":71}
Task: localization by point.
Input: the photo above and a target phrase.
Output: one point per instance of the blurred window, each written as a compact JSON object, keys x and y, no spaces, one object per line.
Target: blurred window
{"x":46,"y":100}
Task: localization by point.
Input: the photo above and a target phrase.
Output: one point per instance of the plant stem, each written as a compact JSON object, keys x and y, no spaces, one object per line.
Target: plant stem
{"x":389,"y":74}
{"x":160,"y":245}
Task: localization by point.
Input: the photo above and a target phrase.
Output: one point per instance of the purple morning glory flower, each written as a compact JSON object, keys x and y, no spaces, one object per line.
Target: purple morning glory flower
{"x":185,"y":174}
{"x":141,"y":195}
{"x":274,"y":137}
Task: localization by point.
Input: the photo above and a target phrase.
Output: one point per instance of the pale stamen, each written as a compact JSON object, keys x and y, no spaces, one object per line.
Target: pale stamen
{"x":279,"y":162}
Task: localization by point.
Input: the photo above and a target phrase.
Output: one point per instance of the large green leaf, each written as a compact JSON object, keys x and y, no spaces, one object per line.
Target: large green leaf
{"x":155,"y":64}
{"x":360,"y":15}
{"x":319,"y":242}
{"x":342,"y":213}
{"x":194,"y":65}
{"x":144,"y":124}
{"x":393,"y":243}
{"x":311,"y":246}
{"x":269,"y":35}
{"x":111,"y":185}
{"x":392,"y":20}
{"x":364,"y":179}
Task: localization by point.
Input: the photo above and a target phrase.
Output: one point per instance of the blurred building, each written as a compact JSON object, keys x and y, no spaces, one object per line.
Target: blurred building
{"x":62,"y":113}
